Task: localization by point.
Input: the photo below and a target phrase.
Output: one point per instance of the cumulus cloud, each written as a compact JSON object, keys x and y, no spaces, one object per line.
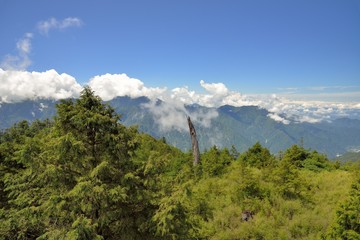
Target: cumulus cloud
{"x":21,"y":85}
{"x":109,"y":86}
{"x":17,"y":84}
{"x":216,"y":89}
{"x":216,"y":95}
{"x":45,"y":26}
{"x":169,"y":113}
{"x":21,"y":60}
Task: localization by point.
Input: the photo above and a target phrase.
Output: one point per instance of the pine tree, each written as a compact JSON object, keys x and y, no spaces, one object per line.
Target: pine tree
{"x":76,"y":179}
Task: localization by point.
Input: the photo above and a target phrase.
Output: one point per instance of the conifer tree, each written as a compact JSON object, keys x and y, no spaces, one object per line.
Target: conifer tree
{"x":348,"y":216}
{"x":76,"y":179}
{"x":257,"y":156}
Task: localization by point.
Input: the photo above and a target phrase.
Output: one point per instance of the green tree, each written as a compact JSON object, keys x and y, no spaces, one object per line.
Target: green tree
{"x":296,"y":155}
{"x":288,"y":181}
{"x":77,"y":179}
{"x":11,"y":141}
{"x":257,"y":156}
{"x":348,"y":216}
{"x":317,"y":162}
{"x":214,"y":161}
{"x":302,"y":158}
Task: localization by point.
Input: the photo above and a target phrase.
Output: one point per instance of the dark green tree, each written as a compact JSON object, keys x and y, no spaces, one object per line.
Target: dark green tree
{"x":296,"y":155}
{"x":317,"y":162}
{"x":76,"y":179}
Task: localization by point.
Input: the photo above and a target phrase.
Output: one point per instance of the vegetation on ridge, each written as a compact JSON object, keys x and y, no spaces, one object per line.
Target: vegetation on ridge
{"x":84,"y":175}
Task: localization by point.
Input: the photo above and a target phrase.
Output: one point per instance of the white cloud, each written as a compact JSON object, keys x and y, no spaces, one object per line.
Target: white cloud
{"x":24,"y":45}
{"x":45,"y":26}
{"x":308,"y":111}
{"x":278,"y":118}
{"x":21,"y":60}
{"x":70,"y":22}
{"x":217,"y":95}
{"x":168,"y":115}
{"x":184,"y":95}
{"x":281,"y":109}
{"x":171,"y":113}
{"x":339,"y":96}
{"x":21,"y":85}
{"x":216,"y":89}
{"x":109,"y":86}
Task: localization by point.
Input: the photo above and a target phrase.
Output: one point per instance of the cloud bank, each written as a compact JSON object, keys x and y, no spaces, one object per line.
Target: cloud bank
{"x":170,"y":112}
{"x":109,"y":86}
{"x":217,"y":94}
{"x":16,"y":86}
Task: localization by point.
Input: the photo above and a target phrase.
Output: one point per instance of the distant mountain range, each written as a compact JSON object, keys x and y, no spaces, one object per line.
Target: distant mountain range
{"x":225,"y":126}
{"x":348,"y":157}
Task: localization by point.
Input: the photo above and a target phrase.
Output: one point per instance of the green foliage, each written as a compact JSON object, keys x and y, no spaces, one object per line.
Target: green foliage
{"x":214,"y":161}
{"x":318,"y":162}
{"x":296,"y":155}
{"x":348,"y":215}
{"x":257,"y":156}
{"x":288,"y":181}
{"x":86,"y":176}
{"x":302,"y":158}
{"x":75,"y":179}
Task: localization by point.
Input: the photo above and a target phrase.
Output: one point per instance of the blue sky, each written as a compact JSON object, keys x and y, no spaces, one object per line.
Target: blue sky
{"x":304,"y":48}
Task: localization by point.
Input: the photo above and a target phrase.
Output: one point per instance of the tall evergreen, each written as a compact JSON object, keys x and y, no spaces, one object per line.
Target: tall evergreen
{"x":76,"y":180}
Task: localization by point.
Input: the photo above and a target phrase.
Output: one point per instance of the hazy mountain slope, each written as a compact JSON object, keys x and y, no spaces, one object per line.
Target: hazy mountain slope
{"x":11,"y":113}
{"x":348,"y":157}
{"x":238,"y":126}
{"x":244,"y":126}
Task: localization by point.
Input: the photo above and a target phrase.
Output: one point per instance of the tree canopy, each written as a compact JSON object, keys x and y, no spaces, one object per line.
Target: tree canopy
{"x":84,"y":175}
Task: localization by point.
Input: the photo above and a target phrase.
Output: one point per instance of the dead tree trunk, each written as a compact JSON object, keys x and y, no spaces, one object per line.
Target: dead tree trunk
{"x":194,"y":142}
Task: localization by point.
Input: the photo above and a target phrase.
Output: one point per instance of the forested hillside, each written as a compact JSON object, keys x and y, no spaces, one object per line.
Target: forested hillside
{"x":84,"y":175}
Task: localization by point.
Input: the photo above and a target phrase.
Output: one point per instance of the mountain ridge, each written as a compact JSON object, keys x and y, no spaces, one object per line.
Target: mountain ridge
{"x":225,"y":126}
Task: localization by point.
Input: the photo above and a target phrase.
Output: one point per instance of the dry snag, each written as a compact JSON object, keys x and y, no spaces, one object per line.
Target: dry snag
{"x":194,"y":142}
